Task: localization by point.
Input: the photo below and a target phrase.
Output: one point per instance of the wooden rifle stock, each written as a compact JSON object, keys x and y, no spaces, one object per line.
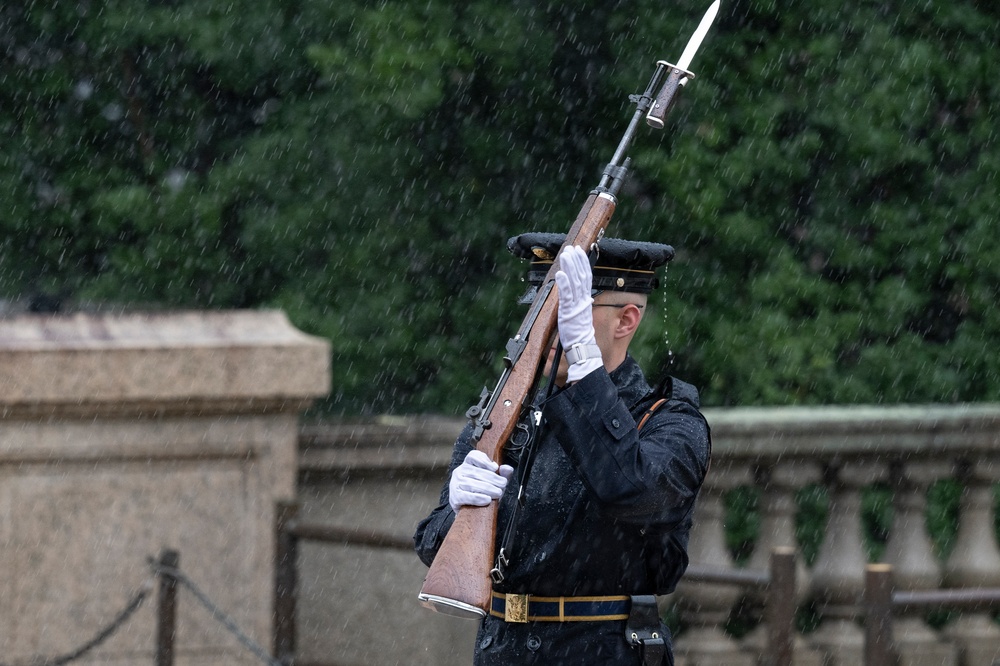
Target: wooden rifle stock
{"x":458,"y":581}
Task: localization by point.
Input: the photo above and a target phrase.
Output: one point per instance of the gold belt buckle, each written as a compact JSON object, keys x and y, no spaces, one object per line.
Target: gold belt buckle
{"x":516,"y":608}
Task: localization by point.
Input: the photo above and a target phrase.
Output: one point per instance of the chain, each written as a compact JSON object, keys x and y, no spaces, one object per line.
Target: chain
{"x":217,"y":614}
{"x":133,"y":605}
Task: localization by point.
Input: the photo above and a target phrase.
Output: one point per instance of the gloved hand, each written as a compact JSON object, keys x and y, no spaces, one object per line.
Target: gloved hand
{"x":477,"y":481}
{"x":576,"y":317}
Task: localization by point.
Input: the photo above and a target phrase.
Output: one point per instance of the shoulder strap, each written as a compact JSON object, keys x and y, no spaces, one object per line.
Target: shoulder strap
{"x":676,"y":389}
{"x":649,"y":412}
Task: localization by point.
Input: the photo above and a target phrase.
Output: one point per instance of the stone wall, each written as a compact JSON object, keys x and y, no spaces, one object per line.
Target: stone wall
{"x":123,"y":435}
{"x":358,"y":604}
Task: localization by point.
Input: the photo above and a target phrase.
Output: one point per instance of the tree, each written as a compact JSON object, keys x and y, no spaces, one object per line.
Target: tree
{"x":828,"y":180}
{"x":850,"y":184}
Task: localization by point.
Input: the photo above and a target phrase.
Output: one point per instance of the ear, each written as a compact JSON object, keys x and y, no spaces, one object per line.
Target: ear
{"x":628,"y":320}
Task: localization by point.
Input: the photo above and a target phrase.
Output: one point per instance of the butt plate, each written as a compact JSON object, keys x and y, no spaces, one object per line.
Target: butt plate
{"x":451,"y":607}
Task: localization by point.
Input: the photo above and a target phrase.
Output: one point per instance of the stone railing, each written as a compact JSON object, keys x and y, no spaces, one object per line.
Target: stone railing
{"x":386,"y":475}
{"x":846,"y":450}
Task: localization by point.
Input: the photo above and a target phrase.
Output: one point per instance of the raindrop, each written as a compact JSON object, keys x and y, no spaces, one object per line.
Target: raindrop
{"x":113,"y":112}
{"x":83,"y":90}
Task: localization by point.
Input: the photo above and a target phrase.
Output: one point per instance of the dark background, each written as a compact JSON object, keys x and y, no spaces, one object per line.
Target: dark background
{"x":829,"y":179}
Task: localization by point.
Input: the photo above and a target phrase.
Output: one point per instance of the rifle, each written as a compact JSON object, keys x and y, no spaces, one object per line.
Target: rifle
{"x":459,"y":580}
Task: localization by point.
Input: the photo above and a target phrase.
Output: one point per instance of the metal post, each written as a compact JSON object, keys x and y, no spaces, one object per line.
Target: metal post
{"x":285,"y":582}
{"x":879,"y":649}
{"x":781,"y":604}
{"x":166,"y":609}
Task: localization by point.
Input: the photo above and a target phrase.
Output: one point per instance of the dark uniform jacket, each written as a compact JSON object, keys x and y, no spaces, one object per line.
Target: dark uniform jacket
{"x":607,"y":512}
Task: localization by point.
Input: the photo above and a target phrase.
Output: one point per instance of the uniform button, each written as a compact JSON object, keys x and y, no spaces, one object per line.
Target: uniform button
{"x":534,"y":642}
{"x":486,"y":642}
{"x":616,"y":423}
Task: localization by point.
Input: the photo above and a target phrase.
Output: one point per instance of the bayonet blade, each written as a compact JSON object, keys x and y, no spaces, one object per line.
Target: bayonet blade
{"x":698,"y":36}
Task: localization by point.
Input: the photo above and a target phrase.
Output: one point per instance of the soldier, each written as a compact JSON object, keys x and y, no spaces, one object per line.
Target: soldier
{"x":615,"y":466}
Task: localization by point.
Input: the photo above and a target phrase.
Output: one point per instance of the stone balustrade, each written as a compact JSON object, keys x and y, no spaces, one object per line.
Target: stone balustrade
{"x":122,"y":435}
{"x":846,"y":450}
{"x":386,"y":475}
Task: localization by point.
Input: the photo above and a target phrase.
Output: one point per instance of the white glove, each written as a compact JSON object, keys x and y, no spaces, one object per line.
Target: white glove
{"x":477,"y":481}
{"x":576,"y":317}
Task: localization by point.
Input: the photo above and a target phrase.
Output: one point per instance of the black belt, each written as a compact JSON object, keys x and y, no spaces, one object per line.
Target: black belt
{"x":526,"y":607}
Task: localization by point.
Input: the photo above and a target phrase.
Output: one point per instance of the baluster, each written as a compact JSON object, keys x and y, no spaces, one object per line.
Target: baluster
{"x":838,"y":574}
{"x":975,"y":562}
{"x":705,"y":607}
{"x":779,"y":484}
{"x":914,"y":565}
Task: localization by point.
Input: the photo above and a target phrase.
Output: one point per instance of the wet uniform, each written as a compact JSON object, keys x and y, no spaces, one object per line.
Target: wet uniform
{"x":608,"y":512}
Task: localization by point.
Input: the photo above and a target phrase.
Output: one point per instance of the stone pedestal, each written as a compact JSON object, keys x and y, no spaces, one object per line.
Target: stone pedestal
{"x":123,"y":435}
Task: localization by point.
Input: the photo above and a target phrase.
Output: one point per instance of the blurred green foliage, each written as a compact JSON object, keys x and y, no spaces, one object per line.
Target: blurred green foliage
{"x":829,"y":180}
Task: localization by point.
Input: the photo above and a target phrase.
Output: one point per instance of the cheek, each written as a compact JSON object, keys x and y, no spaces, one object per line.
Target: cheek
{"x":604,"y":328}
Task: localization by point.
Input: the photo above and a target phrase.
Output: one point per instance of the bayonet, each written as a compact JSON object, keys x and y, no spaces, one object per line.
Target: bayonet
{"x":698,"y":37}
{"x":679,"y":74}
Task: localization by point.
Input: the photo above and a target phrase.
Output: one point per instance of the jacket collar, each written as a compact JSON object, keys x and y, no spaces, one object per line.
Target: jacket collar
{"x":631,"y":382}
